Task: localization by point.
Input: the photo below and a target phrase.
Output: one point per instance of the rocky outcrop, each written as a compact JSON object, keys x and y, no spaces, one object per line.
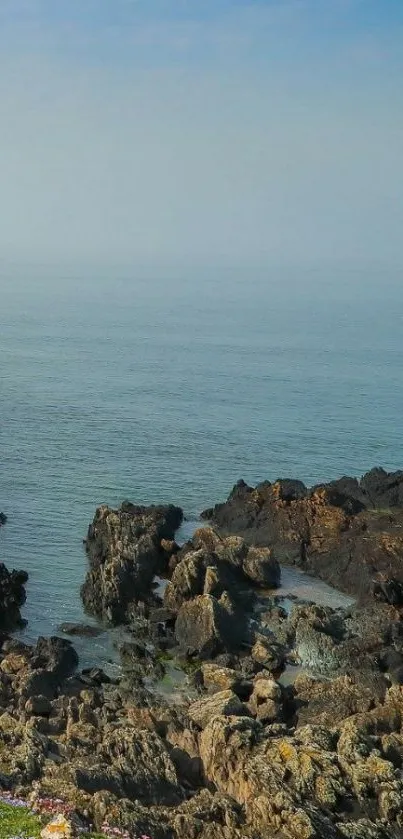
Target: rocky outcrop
{"x":125,"y":553}
{"x":347,"y":532}
{"x":237,"y":751}
{"x":12,"y":597}
{"x":211,"y":564}
{"x":224,"y":703}
{"x":242,"y":756}
{"x":206,"y":627}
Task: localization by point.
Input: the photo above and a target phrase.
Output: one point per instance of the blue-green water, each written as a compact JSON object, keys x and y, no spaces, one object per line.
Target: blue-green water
{"x":172,"y":390}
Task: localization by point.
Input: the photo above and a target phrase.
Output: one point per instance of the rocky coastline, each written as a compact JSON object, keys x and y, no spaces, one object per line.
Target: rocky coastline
{"x":202,"y":736}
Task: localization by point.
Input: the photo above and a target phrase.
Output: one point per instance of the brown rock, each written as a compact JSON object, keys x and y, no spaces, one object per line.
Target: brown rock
{"x":348,"y":533}
{"x":265,"y":702}
{"x":224,"y":703}
{"x":13,"y":664}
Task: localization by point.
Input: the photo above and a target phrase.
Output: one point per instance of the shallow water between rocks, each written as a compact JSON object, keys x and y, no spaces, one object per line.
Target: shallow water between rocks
{"x":101,"y":651}
{"x":296,"y":587}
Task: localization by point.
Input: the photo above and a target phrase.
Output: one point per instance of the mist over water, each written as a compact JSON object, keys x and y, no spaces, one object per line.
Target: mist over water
{"x":172,"y":389}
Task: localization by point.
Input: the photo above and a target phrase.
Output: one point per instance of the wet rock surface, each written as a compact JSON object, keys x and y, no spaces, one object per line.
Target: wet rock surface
{"x":229,"y":751}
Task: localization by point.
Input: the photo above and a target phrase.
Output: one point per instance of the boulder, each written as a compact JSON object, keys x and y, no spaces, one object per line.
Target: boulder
{"x":205,"y":627}
{"x":265,"y":702}
{"x":13,"y":663}
{"x":217,"y":678}
{"x":58,"y":828}
{"x":12,"y":597}
{"x":38,"y":706}
{"x":57,"y":655}
{"x":218,"y":565}
{"x":80,"y":630}
{"x":262,"y":568}
{"x":187,"y":580}
{"x":133,"y":764}
{"x":126,"y":548}
{"x":224,"y":703}
{"x":268,"y":654}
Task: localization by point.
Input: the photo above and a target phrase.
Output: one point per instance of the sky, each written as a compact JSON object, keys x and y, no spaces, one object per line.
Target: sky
{"x":191,"y":132}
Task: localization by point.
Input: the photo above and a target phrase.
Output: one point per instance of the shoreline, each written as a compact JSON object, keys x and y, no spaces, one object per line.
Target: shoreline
{"x":235,"y":692}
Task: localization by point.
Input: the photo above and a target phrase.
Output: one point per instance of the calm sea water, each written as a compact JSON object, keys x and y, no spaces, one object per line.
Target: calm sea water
{"x":172,"y":390}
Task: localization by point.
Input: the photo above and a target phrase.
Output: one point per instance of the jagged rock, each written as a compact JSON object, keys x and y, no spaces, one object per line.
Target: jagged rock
{"x":206,"y":627}
{"x":125,"y":552}
{"x":347,"y":532}
{"x":261,"y":566}
{"x":38,"y":706}
{"x":265,"y":702}
{"x":210,"y":815}
{"x":185,"y":755}
{"x":242,"y":763}
{"x":12,"y":597}
{"x":57,"y":655}
{"x":363,"y":829}
{"x":216,"y":678}
{"x":214,"y":568}
{"x":224,"y":703}
{"x":133,"y":764}
{"x":187,"y":580}
{"x":268,"y":654}
{"x":329,"y":702}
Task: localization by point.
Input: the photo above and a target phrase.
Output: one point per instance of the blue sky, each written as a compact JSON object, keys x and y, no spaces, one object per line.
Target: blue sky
{"x":188,"y":130}
{"x":194,"y":29}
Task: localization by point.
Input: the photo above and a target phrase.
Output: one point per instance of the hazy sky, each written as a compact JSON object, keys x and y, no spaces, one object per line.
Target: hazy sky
{"x":165,"y":131}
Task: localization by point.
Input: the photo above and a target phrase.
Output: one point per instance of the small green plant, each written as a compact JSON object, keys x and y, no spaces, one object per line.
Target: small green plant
{"x":17,"y":822}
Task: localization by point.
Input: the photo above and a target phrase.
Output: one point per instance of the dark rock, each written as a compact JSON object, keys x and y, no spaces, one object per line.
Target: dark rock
{"x":290,"y":490}
{"x":57,"y":655}
{"x":38,"y":706}
{"x":3,"y":519}
{"x":12,"y":597}
{"x":39,"y":683}
{"x":97,"y":675}
{"x":261,"y":566}
{"x":126,"y":549}
{"x":388,"y":590}
{"x":141,"y":765}
{"x":382,"y":489}
{"x":347,"y":532}
{"x":205,"y":627}
{"x":81,"y":630}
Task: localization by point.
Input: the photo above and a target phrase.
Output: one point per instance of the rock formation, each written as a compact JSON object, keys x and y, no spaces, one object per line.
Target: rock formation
{"x":125,"y":552}
{"x":347,"y":532}
{"x":238,"y":752}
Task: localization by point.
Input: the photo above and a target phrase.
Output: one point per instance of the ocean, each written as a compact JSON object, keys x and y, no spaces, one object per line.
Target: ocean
{"x":170,"y":390}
